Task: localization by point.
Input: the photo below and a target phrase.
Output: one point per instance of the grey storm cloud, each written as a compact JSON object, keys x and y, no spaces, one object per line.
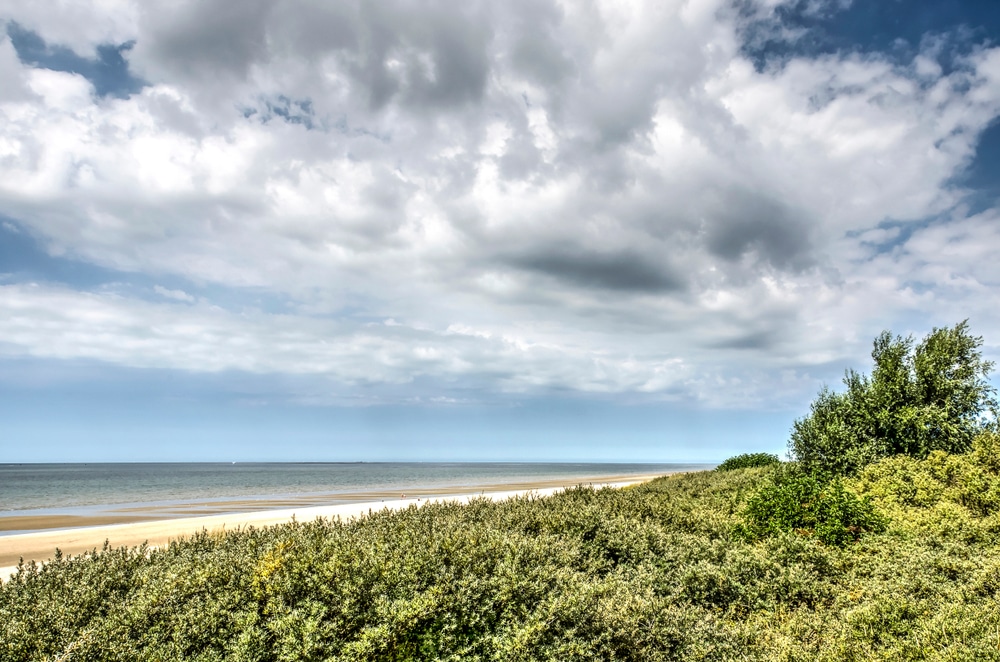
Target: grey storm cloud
{"x":625,"y":271}
{"x":750,"y":223}
{"x":754,"y":340}
{"x":432,"y":54}
{"x":206,"y":41}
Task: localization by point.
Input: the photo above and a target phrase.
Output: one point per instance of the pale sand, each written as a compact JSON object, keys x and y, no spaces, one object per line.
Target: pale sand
{"x":41,"y":545}
{"x":150,"y":512}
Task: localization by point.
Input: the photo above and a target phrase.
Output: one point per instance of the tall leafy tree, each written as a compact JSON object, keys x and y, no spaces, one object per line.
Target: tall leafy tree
{"x":934,"y":395}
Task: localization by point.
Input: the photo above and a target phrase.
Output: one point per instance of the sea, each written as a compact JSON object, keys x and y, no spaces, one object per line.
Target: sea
{"x":88,"y":489}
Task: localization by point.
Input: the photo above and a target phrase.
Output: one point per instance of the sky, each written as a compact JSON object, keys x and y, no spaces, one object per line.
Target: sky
{"x":538,"y":231}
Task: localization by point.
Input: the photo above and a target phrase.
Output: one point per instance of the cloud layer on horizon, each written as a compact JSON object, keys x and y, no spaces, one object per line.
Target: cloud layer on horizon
{"x":592,"y":197}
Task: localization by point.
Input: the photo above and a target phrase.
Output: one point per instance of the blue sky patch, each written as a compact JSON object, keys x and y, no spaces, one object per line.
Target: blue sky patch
{"x":983,"y":174}
{"x":23,"y":258}
{"x":108,"y":72}
{"x":894,"y":28}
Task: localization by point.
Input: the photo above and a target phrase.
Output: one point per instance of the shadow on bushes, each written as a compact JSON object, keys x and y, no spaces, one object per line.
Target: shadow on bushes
{"x":809,"y":504}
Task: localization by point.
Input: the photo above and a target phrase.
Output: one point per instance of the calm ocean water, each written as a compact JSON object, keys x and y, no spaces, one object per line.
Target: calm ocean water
{"x":69,"y":487}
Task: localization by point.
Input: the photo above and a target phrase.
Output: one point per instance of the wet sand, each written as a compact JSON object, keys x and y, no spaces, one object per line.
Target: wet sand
{"x":157,"y":526}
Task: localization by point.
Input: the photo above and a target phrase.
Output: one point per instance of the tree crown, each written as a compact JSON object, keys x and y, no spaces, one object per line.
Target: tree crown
{"x":920,"y":397}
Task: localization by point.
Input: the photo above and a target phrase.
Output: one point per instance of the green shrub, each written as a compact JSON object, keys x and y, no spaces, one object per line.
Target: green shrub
{"x":748,"y":461}
{"x":648,"y":573}
{"x":986,"y":451}
{"x":809,"y":504}
{"x":943,"y":495}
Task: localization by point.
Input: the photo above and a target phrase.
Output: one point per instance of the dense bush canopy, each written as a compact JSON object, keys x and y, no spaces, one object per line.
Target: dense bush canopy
{"x":809,"y":504}
{"x":651,"y":573}
{"x":747,"y":461}
{"x":919,"y":398}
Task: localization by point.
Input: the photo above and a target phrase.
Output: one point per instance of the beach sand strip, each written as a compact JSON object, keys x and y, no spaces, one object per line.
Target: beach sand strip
{"x":25,"y":521}
{"x":40,"y":546}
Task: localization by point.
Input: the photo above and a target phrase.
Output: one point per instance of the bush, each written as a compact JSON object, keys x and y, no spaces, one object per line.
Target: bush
{"x":932,"y":396}
{"x":809,"y":504}
{"x":944,"y":494}
{"x":648,"y":573}
{"x":748,"y":461}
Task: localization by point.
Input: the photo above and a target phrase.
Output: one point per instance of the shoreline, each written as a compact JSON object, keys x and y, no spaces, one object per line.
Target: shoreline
{"x":44,"y":519}
{"x":40,"y":545}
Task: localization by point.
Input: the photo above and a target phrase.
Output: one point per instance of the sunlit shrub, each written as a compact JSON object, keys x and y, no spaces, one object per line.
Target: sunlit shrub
{"x":649,"y":573}
{"x":942,"y":496}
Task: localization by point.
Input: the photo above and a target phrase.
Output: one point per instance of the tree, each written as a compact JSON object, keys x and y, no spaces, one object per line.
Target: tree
{"x":931,"y":396}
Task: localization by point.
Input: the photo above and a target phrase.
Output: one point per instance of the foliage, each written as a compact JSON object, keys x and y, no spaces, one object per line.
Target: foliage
{"x":809,"y":504}
{"x":943,"y":495}
{"x":748,"y":461}
{"x":648,"y":573}
{"x":919,"y":398}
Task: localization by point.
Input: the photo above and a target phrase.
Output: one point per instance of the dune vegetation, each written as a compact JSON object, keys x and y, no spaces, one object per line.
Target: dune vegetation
{"x":890,"y":554}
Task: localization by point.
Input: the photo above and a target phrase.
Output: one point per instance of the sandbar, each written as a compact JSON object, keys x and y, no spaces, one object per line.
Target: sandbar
{"x":40,"y":545}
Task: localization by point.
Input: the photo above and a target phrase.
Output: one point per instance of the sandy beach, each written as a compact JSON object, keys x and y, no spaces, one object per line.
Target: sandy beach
{"x":154,"y":528}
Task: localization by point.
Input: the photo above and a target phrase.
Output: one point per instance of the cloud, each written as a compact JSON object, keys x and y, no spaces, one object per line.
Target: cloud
{"x":746,"y":224}
{"x":619,"y":187}
{"x":177,"y":295}
{"x":50,"y":322}
{"x":623,"y":271}
{"x":13,"y":86}
{"x":427,"y":56}
{"x":80,"y":25}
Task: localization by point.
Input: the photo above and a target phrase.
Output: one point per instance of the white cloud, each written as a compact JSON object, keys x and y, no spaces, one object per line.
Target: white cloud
{"x":593,"y":197}
{"x":176,"y":295}
{"x":13,"y":85}
{"x":51,"y":322}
